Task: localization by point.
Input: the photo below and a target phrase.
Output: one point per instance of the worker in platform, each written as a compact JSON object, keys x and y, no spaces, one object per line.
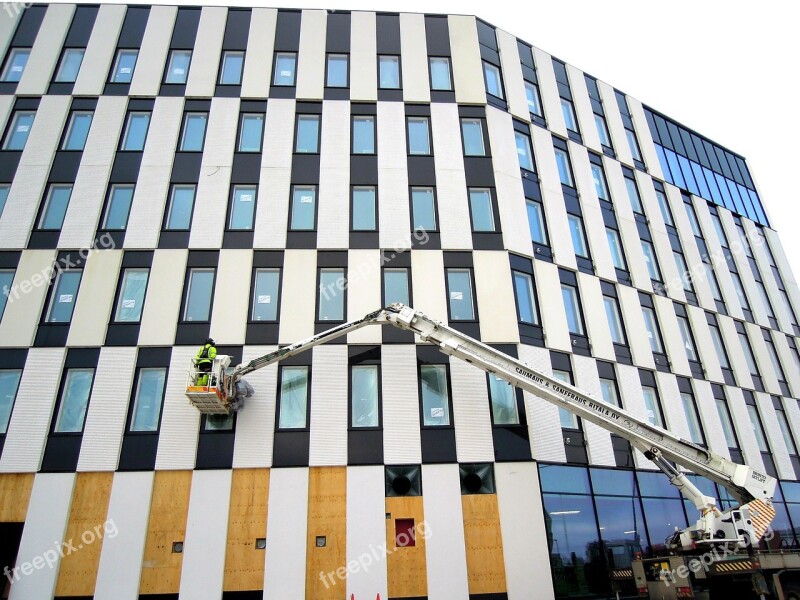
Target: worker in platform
{"x":205,"y":360}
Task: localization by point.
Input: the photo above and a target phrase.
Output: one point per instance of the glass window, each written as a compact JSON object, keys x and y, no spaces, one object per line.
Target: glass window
{"x":532,"y":96}
{"x":568,"y":420}
{"x":692,"y":420}
{"x":124,"y":66}
{"x":131,"y":296}
{"x":524,"y":152}
{"x":693,"y":220}
{"x":418,"y":135}
{"x":440,"y":73}
{"x":650,"y":260}
{"x":181,"y":205}
{"x":688,"y":340}
{"x":136,"y":131}
{"x":74,"y":401}
{"x":504,"y":401}
{"x":6,"y":280}
{"x":77,"y":130}
{"x":389,"y":72}
{"x":178,"y":67}
{"x":337,"y":70}
{"x":762,"y":292}
{"x":683,"y":270}
{"x":723,"y":239}
{"x":364,"y":390}
{"x":423,"y":209}
{"x":758,"y":430}
{"x":55,"y":208}
{"x":293,"y":403}
{"x":737,"y":286}
{"x":652,"y":407}
{"x":614,"y":320}
{"x":62,"y":302}
{"x":9,"y":384}
{"x":395,"y":286}
{"x":149,"y":397}
{"x":364,"y":217}
{"x":307,"y":134}
{"x":332,"y":290}
{"x":363,"y":134}
{"x":472,"y":133}
{"x":243,"y":202}
{"x":719,"y":347}
{"x":615,"y":245}
{"x":608,"y":389}
{"x":569,"y":115}
{"x":70,"y":65}
{"x":711,"y":277}
{"x":786,"y":432}
{"x":602,"y":130}
{"x":3,"y":197}
{"x":574,"y":320}
{"x":459,"y":285}
{"x":435,"y":398}
{"x":17,"y":133}
{"x":251,"y":132}
{"x":773,"y":357}
{"x":633,"y":196}
{"x":15,"y":64}
{"x":748,"y":354}
{"x":265,"y":295}
{"x":219,"y":422}
{"x":494,"y":83}
{"x":304,"y":212}
{"x":600,"y":185}
{"x":651,"y":325}
{"x":285,"y":68}
{"x":232,"y":65}
{"x":564,"y":171}
{"x":198,"y":295}
{"x":578,"y":236}
{"x":663,"y":206}
{"x":536,"y":221}
{"x":526,"y":298}
{"x":480,"y":207}
{"x":727,"y":423}
{"x":194,"y":132}
{"x":633,"y":144}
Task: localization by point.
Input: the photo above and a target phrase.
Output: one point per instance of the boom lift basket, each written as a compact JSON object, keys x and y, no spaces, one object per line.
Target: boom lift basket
{"x":213,"y":397}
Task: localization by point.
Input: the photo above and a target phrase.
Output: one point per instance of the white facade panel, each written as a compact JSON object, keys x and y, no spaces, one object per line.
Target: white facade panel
{"x":671,"y":336}
{"x":705,"y":346}
{"x":26,"y":298}
{"x":311,"y":57}
{"x":646,"y":144}
{"x":210,"y":213}
{"x":365,"y":506}
{"x":203,"y":71}
{"x":630,"y":391}
{"x":8,"y":26}
{"x":401,"y":426}
{"x":414,"y":64}
{"x":299,"y":293}
{"x":473,"y":424}
{"x":671,"y":404}
{"x":544,"y":426}
{"x":512,"y":75}
{"x":257,"y":72}
{"x":153,"y":54}
{"x":787,"y":358}
{"x":100,"y":51}
{"x":428,"y":283}
{"x":548,"y":88}
{"x":364,"y":57}
{"x":229,"y":317}
{"x":789,"y":278}
{"x":498,"y":314}
{"x":709,"y":417}
{"x":634,"y":326}
{"x":95,"y":299}
{"x":551,"y":306}
{"x":46,"y":51}
{"x":596,"y":320}
{"x":730,"y":338}
{"x":744,"y":428}
{"x":598,"y":440}
{"x":466,"y":60}
{"x":363,"y":292}
{"x":583,"y":109}
{"x":761,"y":355}
{"x":162,"y":310}
{"x":329,"y":418}
{"x":614,"y":121}
{"x":772,"y":430}
{"x":177,"y":439}
{"x":254,"y":434}
{"x":333,"y":220}
{"x":394,"y":206}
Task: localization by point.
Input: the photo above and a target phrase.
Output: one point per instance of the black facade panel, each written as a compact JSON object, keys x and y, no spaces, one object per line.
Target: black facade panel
{"x":305,"y":168}
{"x":388,"y":33}
{"x":81,"y":28}
{"x":29,"y":25}
{"x":437,"y":35}
{"x":126,"y":167}
{"x":65,"y":167}
{"x":237,"y":29}
{"x":61,"y":453}
{"x":51,"y":336}
{"x":287,"y":33}
{"x":133,"y":27}
{"x":338,"y":32}
{"x":8,"y":165}
{"x":365,"y":447}
{"x":290,"y":449}
{"x":138,"y":452}
{"x":511,"y":444}
{"x":421,"y":170}
{"x":186,"y":167}
{"x":215,"y":450}
{"x":438,"y":445}
{"x":246,"y":168}
{"x":185,"y":31}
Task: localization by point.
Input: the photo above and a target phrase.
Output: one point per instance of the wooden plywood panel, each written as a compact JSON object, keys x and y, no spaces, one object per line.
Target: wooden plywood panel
{"x":407,"y":572}
{"x":15,"y":493}
{"x":85,"y":530}
{"x":247,"y":520}
{"x":161,"y":568}
{"x":486,"y":572}
{"x":327,"y":516}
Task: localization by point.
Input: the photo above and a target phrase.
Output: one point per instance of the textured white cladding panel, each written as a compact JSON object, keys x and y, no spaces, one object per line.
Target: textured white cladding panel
{"x":153,"y":54}
{"x":772,"y":430}
{"x":258,"y":59}
{"x":583,"y":108}
{"x":551,"y":306}
{"x":203,"y":565}
{"x":287,"y":524}
{"x":508,"y":183}
{"x":691,"y":253}
{"x":671,"y":336}
{"x":26,"y":297}
{"x":254,"y":434}
{"x":30,"y":420}
{"x":121,"y":556}
{"x":789,"y":278}
{"x":705,"y":347}
{"x":630,"y":390}
{"x":365,"y":506}
{"x":598,"y":440}
{"x":364,"y":292}
{"x":223,"y":121}
{"x":95,"y":299}
{"x":445,"y":552}
{"x":718,"y":260}
{"x":100,"y":51}
{"x":206,"y":56}
{"x":108,"y":409}
{"x":466,"y":60}
{"x":614,"y":120}
{"x":329,"y":385}
{"x":709,"y":416}
{"x":229,"y":317}
{"x":473,"y":424}
{"x":494,"y":292}
{"x":554,"y":208}
{"x":749,"y":283}
{"x":46,"y":51}
{"x":8,"y":26}
{"x":646,"y":144}
{"x":730,"y":338}
{"x":272,"y":210}
{"x":210,"y":207}
{"x":414,"y":64}
{"x":548,"y":88}
{"x":522,"y":519}
{"x":451,"y":183}
{"x":6,"y":104}
{"x":427,"y":283}
{"x":786,"y":357}
{"x":162,"y":308}
{"x":634,"y":327}
{"x":394,"y":207}
{"x":46,"y":523}
{"x":177,"y":441}
{"x":672,"y":405}
{"x":594,"y":311}
{"x":298,"y":295}
{"x":364,"y":57}
{"x":333,"y":223}
{"x":544,"y":426}
{"x":311,"y":57}
{"x":768,"y":375}
{"x":401,"y":433}
{"x":661,"y":243}
{"x":744,"y":428}
{"x":512,"y":75}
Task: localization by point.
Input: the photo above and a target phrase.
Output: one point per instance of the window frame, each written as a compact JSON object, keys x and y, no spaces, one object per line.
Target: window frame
{"x":62,"y":396}
{"x":187,"y":291}
{"x":474,"y":121}
{"x":611,"y":232}
{"x":498,"y":74}
{"x":363,"y":118}
{"x":534,"y":298}
{"x":538,"y":206}
{"x":619,"y":322}
{"x":328,"y":57}
{"x":692,"y":415}
{"x":569,"y":105}
{"x":238,"y":188}
{"x":581,"y":231}
{"x":115,"y":70}
{"x":70,"y":129}
{"x":295,"y":189}
{"x":564,"y":167}
{"x":188,"y":116}
{"x":303,"y":117}
{"x":658,"y":412}
{"x":254,"y":295}
{"x":687,"y":337}
{"x":13,"y":127}
{"x":407,"y":271}
{"x":448,"y":412}
{"x":375,"y":205}
{"x":490,"y":199}
{"x":279,"y":397}
{"x":576,"y":305}
{"x":342,"y":277}
{"x":414,"y":226}
{"x":517,"y":422}
{"x":5,"y":290}
{"x":126,"y":133}
{"x":378,"y":400}
{"x":447,"y":61}
{"x":54,"y":291}
{"x":381,"y":59}
{"x":530,"y":85}
{"x":9,"y":67}
{"x":656,"y":268}
{"x":222,"y":61}
{"x":240,"y":134}
{"x":420,"y":119}
{"x":47,"y":205}
{"x":57,"y":78}
{"x":473,"y":299}
{"x":528,"y":148}
{"x":278,"y":57}
{"x":171,"y":68}
{"x":119,"y":299}
{"x":4,"y":425}
{"x":655,"y":337}
{"x":169,"y":212}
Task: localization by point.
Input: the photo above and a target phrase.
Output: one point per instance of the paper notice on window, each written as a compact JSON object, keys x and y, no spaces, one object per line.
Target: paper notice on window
{"x":306,"y":199}
{"x":16,"y":69}
{"x":125,"y":70}
{"x":246,"y":197}
{"x":264,"y":299}
{"x":180,"y":71}
{"x":437,"y":413}
{"x":521,"y":151}
{"x":23,"y":128}
{"x":286,"y":73}
{"x":456,"y":295}
{"x":65,"y":298}
{"x":129,"y":304}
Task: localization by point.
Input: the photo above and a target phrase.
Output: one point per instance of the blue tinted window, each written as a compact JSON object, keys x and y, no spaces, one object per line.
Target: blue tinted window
{"x":524,"y":152}
{"x":131,"y":296}
{"x":194,"y":132}
{"x":675,"y":169}
{"x":337,"y":70}
{"x":572,"y":524}
{"x":569,"y":295}
{"x":395,"y":286}
{"x":459,"y":284}
{"x":304,"y":200}
{"x":435,"y":396}
{"x":285,"y":67}
{"x":472,"y":133}
{"x":688,"y":177}
{"x":418,"y":136}
{"x":136,"y":131}
{"x":149,"y":396}
{"x":178,"y":68}
{"x":526,"y":299}
{"x":389,"y":72}
{"x":578,"y":236}
{"x":77,"y":131}
{"x":613,"y":482}
{"x":697,"y":171}
{"x":62,"y":301}
{"x":504,"y":401}
{"x":656,"y":484}
{"x":555,"y":478}
{"x":124,"y":66}
{"x":564,"y":171}
{"x":494,"y":83}
{"x":15,"y":64}
{"x":231,"y":72}
{"x":70,"y":65}
{"x":119,"y":207}
{"x":569,"y":115}
{"x":265,"y":295}
{"x":3,"y":197}
{"x":6,"y":279}
{"x":9,"y":383}
{"x":423,"y":210}
{"x":180,"y":208}
{"x":536,"y":222}
{"x":364,"y":209}
{"x":364,"y":392}
{"x":198,"y":295}
{"x":363,"y":135}
{"x":74,"y":401}
{"x":332,"y":290}
{"x":664,"y":164}
{"x":307,"y":134}
{"x":293,"y":401}
{"x":440,"y":73}
{"x":243,"y":202}
{"x":56,"y":207}
{"x":17,"y":133}
{"x":251,"y":133}
{"x":480,"y":206}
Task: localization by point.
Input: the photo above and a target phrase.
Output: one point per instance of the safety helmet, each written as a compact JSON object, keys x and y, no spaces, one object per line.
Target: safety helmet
{"x":210,"y":341}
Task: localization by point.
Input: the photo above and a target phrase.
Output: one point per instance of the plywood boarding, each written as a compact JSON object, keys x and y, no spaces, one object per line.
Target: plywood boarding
{"x":161,"y":569}
{"x":15,"y":493}
{"x":247,"y":520}
{"x":407,"y":572}
{"x":486,"y":572}
{"x":85,"y":530}
{"x":327,"y":516}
